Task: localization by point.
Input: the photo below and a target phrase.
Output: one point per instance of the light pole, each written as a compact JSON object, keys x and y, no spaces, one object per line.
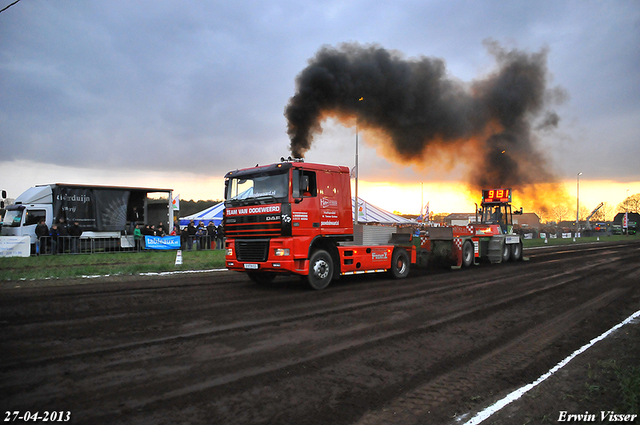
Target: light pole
{"x":578,"y":202}
{"x":355,"y":219}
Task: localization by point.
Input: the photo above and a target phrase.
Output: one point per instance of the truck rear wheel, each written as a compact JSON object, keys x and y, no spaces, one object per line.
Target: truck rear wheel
{"x":400,"y":264}
{"x":320,"y":270}
{"x":262,"y":278}
{"x":467,"y":254}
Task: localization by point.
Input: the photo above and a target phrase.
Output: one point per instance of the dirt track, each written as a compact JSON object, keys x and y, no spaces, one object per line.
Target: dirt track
{"x":216,"y":348}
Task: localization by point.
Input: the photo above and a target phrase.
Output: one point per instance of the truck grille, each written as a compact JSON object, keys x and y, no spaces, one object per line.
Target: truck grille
{"x":252,"y":250}
{"x":259,"y":226}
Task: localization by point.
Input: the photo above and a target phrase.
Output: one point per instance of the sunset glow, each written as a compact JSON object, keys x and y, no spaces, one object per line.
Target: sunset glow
{"x":454,"y":197}
{"x":443,"y":197}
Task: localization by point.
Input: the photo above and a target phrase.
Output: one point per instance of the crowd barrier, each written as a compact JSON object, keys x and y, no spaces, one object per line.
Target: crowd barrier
{"x":48,"y":245}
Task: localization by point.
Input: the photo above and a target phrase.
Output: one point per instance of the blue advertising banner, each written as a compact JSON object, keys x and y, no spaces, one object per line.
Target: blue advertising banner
{"x":165,"y":242}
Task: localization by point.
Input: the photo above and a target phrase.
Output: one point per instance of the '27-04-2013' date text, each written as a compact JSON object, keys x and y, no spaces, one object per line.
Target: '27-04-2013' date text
{"x":46,"y":416}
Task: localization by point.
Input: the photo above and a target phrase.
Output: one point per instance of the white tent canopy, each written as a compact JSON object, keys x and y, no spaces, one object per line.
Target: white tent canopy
{"x":369,"y":213}
{"x":213,"y":213}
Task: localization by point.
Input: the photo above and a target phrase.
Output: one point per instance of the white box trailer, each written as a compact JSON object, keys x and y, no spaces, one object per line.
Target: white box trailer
{"x":103,"y":212}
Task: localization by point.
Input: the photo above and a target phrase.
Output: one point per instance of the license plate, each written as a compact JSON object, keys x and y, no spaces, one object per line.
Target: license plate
{"x":251,"y":266}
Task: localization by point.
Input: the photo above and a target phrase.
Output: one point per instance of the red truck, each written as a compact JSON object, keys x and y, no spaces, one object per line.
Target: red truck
{"x":295,"y":217}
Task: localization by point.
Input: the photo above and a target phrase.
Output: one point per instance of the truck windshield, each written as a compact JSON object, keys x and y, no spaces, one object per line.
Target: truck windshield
{"x":12,"y":218}
{"x":258,"y":188}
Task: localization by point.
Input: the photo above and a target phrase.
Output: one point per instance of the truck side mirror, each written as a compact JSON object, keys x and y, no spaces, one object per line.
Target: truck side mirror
{"x":4,"y":194}
{"x":303,"y":188}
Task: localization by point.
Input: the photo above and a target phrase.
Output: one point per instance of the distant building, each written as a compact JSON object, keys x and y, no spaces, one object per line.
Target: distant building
{"x":460,"y":219}
{"x":634,"y":217}
{"x":567,"y":225}
{"x":527,"y":220}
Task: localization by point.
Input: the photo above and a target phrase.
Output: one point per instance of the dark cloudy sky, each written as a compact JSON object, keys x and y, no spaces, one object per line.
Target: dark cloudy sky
{"x":188,"y":90}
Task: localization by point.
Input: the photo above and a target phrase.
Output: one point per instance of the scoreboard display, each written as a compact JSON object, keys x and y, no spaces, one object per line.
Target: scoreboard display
{"x":494,"y":196}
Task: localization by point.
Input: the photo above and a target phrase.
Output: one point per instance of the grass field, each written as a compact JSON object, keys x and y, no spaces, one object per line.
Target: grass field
{"x":69,"y":266}
{"x":529,"y":243}
{"x":125,"y":263}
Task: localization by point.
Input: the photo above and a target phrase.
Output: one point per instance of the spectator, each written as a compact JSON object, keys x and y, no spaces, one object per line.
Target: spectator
{"x":176,"y":224}
{"x":201,"y":235}
{"x":42,"y":232}
{"x":54,"y":233}
{"x":211,"y":235}
{"x":63,"y":236}
{"x":75,"y":232}
{"x":147,"y":231}
{"x":184,"y":238}
{"x":137,"y":237}
{"x":191,"y":234}
{"x":220,"y":236}
{"x":134,"y":218}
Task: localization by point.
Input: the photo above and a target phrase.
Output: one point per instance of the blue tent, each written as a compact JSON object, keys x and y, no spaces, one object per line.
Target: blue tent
{"x":213,"y":213}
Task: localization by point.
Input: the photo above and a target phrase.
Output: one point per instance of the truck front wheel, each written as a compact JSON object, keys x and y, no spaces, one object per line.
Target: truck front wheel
{"x":320,"y":270}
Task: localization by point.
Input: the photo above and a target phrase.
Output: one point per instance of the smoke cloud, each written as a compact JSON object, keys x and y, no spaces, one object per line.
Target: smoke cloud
{"x":416,"y":112}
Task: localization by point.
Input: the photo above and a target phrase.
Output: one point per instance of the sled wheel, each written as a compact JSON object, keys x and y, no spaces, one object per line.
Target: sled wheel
{"x":506,"y":252}
{"x":467,"y":254}
{"x":516,"y":251}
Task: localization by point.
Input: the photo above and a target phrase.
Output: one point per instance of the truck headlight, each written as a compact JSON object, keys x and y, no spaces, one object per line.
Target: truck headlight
{"x":282,"y":252}
{"x":229,"y":251}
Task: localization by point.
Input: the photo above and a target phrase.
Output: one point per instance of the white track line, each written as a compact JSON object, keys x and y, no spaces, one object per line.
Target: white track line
{"x":95,"y":276}
{"x":515,"y":395}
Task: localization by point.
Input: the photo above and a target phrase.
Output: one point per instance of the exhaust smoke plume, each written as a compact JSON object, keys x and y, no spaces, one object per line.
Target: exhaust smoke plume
{"x":414,"y":111}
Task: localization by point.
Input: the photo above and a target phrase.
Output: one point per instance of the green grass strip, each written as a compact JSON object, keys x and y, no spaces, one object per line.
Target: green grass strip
{"x":529,"y":243}
{"x":125,"y":263}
